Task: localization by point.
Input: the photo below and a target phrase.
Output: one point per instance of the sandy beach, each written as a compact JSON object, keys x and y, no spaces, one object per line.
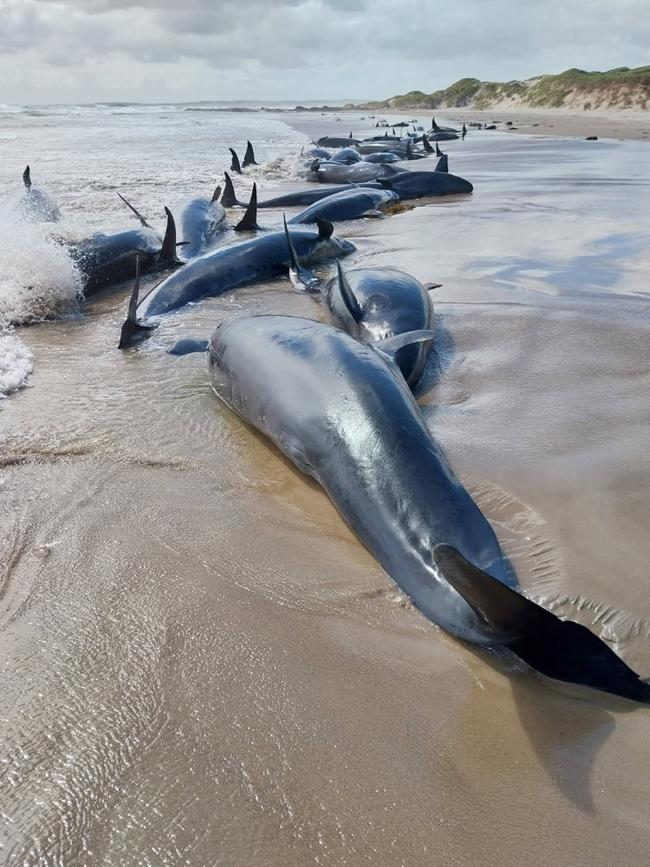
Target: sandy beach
{"x":202,"y":666}
{"x":566,"y":123}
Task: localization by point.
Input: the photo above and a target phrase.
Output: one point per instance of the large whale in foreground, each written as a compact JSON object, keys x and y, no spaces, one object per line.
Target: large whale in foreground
{"x":202,"y":220}
{"x":342,"y":413}
{"x":262,"y":258}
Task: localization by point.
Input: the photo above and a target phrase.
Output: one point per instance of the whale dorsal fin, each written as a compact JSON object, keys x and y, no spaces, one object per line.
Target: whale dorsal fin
{"x":434,"y":125}
{"x":561,"y":649}
{"x":234,"y":165}
{"x":216,"y":194}
{"x":229,"y":199}
{"x":248,"y":222}
{"x":325,"y":228}
{"x":426,"y":144}
{"x":168,"y":249}
{"x":349,"y":298}
{"x":442,"y":165}
{"x":300,"y":277}
{"x":390,"y":345}
{"x":188,"y":346}
{"x":249,"y":156}
{"x":409,"y":150}
{"x":27,"y":178}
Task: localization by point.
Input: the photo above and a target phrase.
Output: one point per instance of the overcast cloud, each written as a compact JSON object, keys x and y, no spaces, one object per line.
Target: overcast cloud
{"x":160,"y":50}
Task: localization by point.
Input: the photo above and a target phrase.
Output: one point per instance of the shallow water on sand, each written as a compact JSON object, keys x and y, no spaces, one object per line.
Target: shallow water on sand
{"x":200,"y":663}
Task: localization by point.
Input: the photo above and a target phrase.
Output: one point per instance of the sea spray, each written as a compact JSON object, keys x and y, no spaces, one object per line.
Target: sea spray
{"x":38,"y":279}
{"x":15,"y":362}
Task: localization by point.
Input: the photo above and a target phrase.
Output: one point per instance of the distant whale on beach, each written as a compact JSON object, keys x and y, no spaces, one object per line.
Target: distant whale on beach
{"x":341,"y":411}
{"x":349,"y":204}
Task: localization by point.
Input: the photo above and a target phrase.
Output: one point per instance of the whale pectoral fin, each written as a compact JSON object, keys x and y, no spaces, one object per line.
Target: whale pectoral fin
{"x":560,"y":649}
{"x":300,"y":277}
{"x":349,"y":298}
{"x":188,"y":346}
{"x":143,"y":222}
{"x":390,"y":345}
{"x":248,"y":222}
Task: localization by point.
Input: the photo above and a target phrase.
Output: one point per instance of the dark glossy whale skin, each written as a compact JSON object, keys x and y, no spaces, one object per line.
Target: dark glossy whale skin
{"x":349,"y":204}
{"x":307,"y":197}
{"x":392,"y":302}
{"x":329,"y":141}
{"x":382,"y":157}
{"x":202,"y":221}
{"x":344,"y":414}
{"x":261,"y":258}
{"x":417,"y":185}
{"x":108,"y":259}
{"x":345,"y":156}
{"x":331,"y":173}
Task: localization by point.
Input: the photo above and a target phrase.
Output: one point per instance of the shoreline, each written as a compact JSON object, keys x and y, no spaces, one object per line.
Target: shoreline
{"x":623,"y":125}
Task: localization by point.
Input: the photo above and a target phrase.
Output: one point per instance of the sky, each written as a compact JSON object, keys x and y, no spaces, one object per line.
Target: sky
{"x":299,"y":50}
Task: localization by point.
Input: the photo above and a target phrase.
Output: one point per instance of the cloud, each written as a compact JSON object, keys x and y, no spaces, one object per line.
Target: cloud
{"x":71,"y":50}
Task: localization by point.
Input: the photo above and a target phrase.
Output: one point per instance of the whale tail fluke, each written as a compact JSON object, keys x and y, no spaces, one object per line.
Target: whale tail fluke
{"x":249,"y":156}
{"x":132,"y":330}
{"x":27,"y":178}
{"x":301,"y":279}
{"x":234,"y":165}
{"x":560,"y":649}
{"x":229,"y":199}
{"x":248,"y":222}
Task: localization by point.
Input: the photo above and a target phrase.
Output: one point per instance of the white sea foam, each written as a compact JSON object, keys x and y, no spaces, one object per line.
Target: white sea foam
{"x":38,"y":279}
{"x":15,"y":363}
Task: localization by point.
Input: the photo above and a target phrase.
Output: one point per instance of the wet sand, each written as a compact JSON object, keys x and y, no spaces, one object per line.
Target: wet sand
{"x":200,"y":663}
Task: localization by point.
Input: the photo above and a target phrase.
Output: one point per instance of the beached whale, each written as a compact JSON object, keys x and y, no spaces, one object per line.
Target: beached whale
{"x":345,"y":156}
{"x":319,"y":152}
{"x":329,"y":141}
{"x":420,"y":185}
{"x":37,"y":205}
{"x":382,"y":157}
{"x":349,"y":204}
{"x":374,"y":304}
{"x":107,"y":259}
{"x":290,"y":200}
{"x":202,"y":221}
{"x":262,"y":258}
{"x":341,"y":411}
{"x":331,"y":173}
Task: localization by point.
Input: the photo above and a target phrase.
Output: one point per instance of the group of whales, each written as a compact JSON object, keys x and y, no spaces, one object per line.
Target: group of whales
{"x":337,"y":399}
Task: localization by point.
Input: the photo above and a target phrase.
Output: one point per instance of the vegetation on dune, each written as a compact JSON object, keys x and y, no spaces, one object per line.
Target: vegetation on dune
{"x":615,"y":88}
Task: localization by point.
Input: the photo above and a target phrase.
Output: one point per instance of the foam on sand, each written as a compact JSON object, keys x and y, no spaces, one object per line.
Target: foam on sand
{"x":15,"y":363}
